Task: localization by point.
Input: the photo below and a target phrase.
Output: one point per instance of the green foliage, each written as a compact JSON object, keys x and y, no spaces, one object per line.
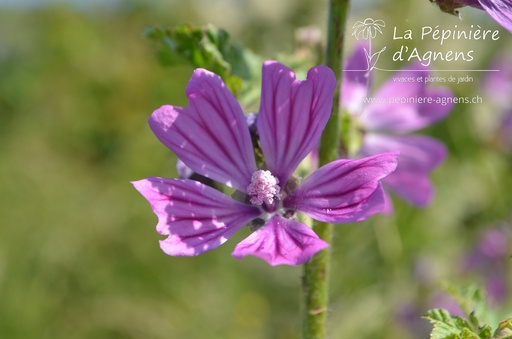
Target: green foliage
{"x":351,"y":137}
{"x":447,"y":326}
{"x":206,"y":47}
{"x":472,"y":301}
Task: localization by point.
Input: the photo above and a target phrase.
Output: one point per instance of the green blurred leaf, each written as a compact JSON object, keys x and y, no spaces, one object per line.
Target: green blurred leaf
{"x":350,"y":134}
{"x":472,"y":301}
{"x":207,"y":47}
{"x":485,"y":332}
{"x":447,"y":326}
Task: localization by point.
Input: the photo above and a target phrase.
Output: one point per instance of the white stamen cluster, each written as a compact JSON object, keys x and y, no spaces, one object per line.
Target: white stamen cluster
{"x":263,"y":188}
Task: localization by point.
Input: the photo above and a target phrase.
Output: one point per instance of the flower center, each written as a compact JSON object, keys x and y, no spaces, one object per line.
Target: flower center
{"x":263,"y":188}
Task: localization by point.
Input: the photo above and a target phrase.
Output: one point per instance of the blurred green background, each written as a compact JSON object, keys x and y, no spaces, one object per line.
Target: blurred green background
{"x":79,"y":255}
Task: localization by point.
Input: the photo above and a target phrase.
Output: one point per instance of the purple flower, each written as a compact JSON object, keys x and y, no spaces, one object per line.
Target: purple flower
{"x":211,"y":137}
{"x":499,"y":10}
{"x":387,"y":117}
{"x":441,"y":299}
{"x":505,"y":132}
{"x":498,"y":86}
{"x":490,"y":259}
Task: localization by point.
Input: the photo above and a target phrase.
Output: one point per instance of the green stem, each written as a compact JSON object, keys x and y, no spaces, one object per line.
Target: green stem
{"x":316,"y":271}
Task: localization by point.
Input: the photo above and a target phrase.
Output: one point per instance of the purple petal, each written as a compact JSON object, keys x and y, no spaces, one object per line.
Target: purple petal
{"x":185,"y":172}
{"x":493,"y":243}
{"x":497,"y":288}
{"x":417,"y":152}
{"x":437,"y":110}
{"x":388,"y":208}
{"x":197,"y":218}
{"x":505,"y":131}
{"x":413,"y":186}
{"x":498,"y":85}
{"x":210,"y":135}
{"x":356,"y":80}
{"x":356,"y":67}
{"x":396,"y":109}
{"x":344,"y":190}
{"x":499,"y":10}
{"x":444,"y":300}
{"x":292,"y":115}
{"x":472,"y":3}
{"x":419,"y":155}
{"x":281,"y":242}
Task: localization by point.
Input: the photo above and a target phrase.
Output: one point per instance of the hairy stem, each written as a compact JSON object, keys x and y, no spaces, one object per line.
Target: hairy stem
{"x":316,"y":271}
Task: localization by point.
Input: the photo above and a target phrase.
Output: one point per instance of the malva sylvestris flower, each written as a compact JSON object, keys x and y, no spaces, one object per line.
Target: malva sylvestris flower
{"x":386,"y":121}
{"x":499,"y":10}
{"x":211,"y":137}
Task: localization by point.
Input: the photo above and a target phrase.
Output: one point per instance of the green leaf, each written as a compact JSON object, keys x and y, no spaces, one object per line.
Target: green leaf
{"x":447,"y":326}
{"x":186,"y":43}
{"x":206,"y":47}
{"x":485,"y":332}
{"x":472,"y":301}
{"x":469,"y":334}
{"x":350,"y":135}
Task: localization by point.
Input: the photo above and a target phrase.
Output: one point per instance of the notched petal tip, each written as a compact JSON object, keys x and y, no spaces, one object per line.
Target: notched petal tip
{"x":269,"y":63}
{"x":325,"y":74}
{"x":272,"y":68}
{"x":281,"y":242}
{"x":201,"y":80}
{"x":209,"y":135}
{"x":292,"y":115}
{"x":344,"y":190}
{"x":196,"y":217}
{"x":144,"y":187}
{"x":178,"y":246}
{"x":162,"y":117}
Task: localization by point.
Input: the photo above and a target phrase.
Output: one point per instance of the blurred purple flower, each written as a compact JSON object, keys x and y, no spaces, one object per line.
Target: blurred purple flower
{"x":409,"y":317}
{"x":493,"y":243}
{"x":498,"y":86}
{"x":499,"y":10}
{"x":490,"y":259}
{"x":441,"y":299}
{"x":212,"y":138}
{"x":389,"y":115}
{"x":505,"y":132}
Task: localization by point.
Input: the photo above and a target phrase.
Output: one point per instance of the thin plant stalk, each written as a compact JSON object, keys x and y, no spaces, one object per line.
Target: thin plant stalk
{"x":316,"y":271}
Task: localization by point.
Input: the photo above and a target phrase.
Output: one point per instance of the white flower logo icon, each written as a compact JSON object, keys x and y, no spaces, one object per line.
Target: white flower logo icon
{"x":367,"y":30}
